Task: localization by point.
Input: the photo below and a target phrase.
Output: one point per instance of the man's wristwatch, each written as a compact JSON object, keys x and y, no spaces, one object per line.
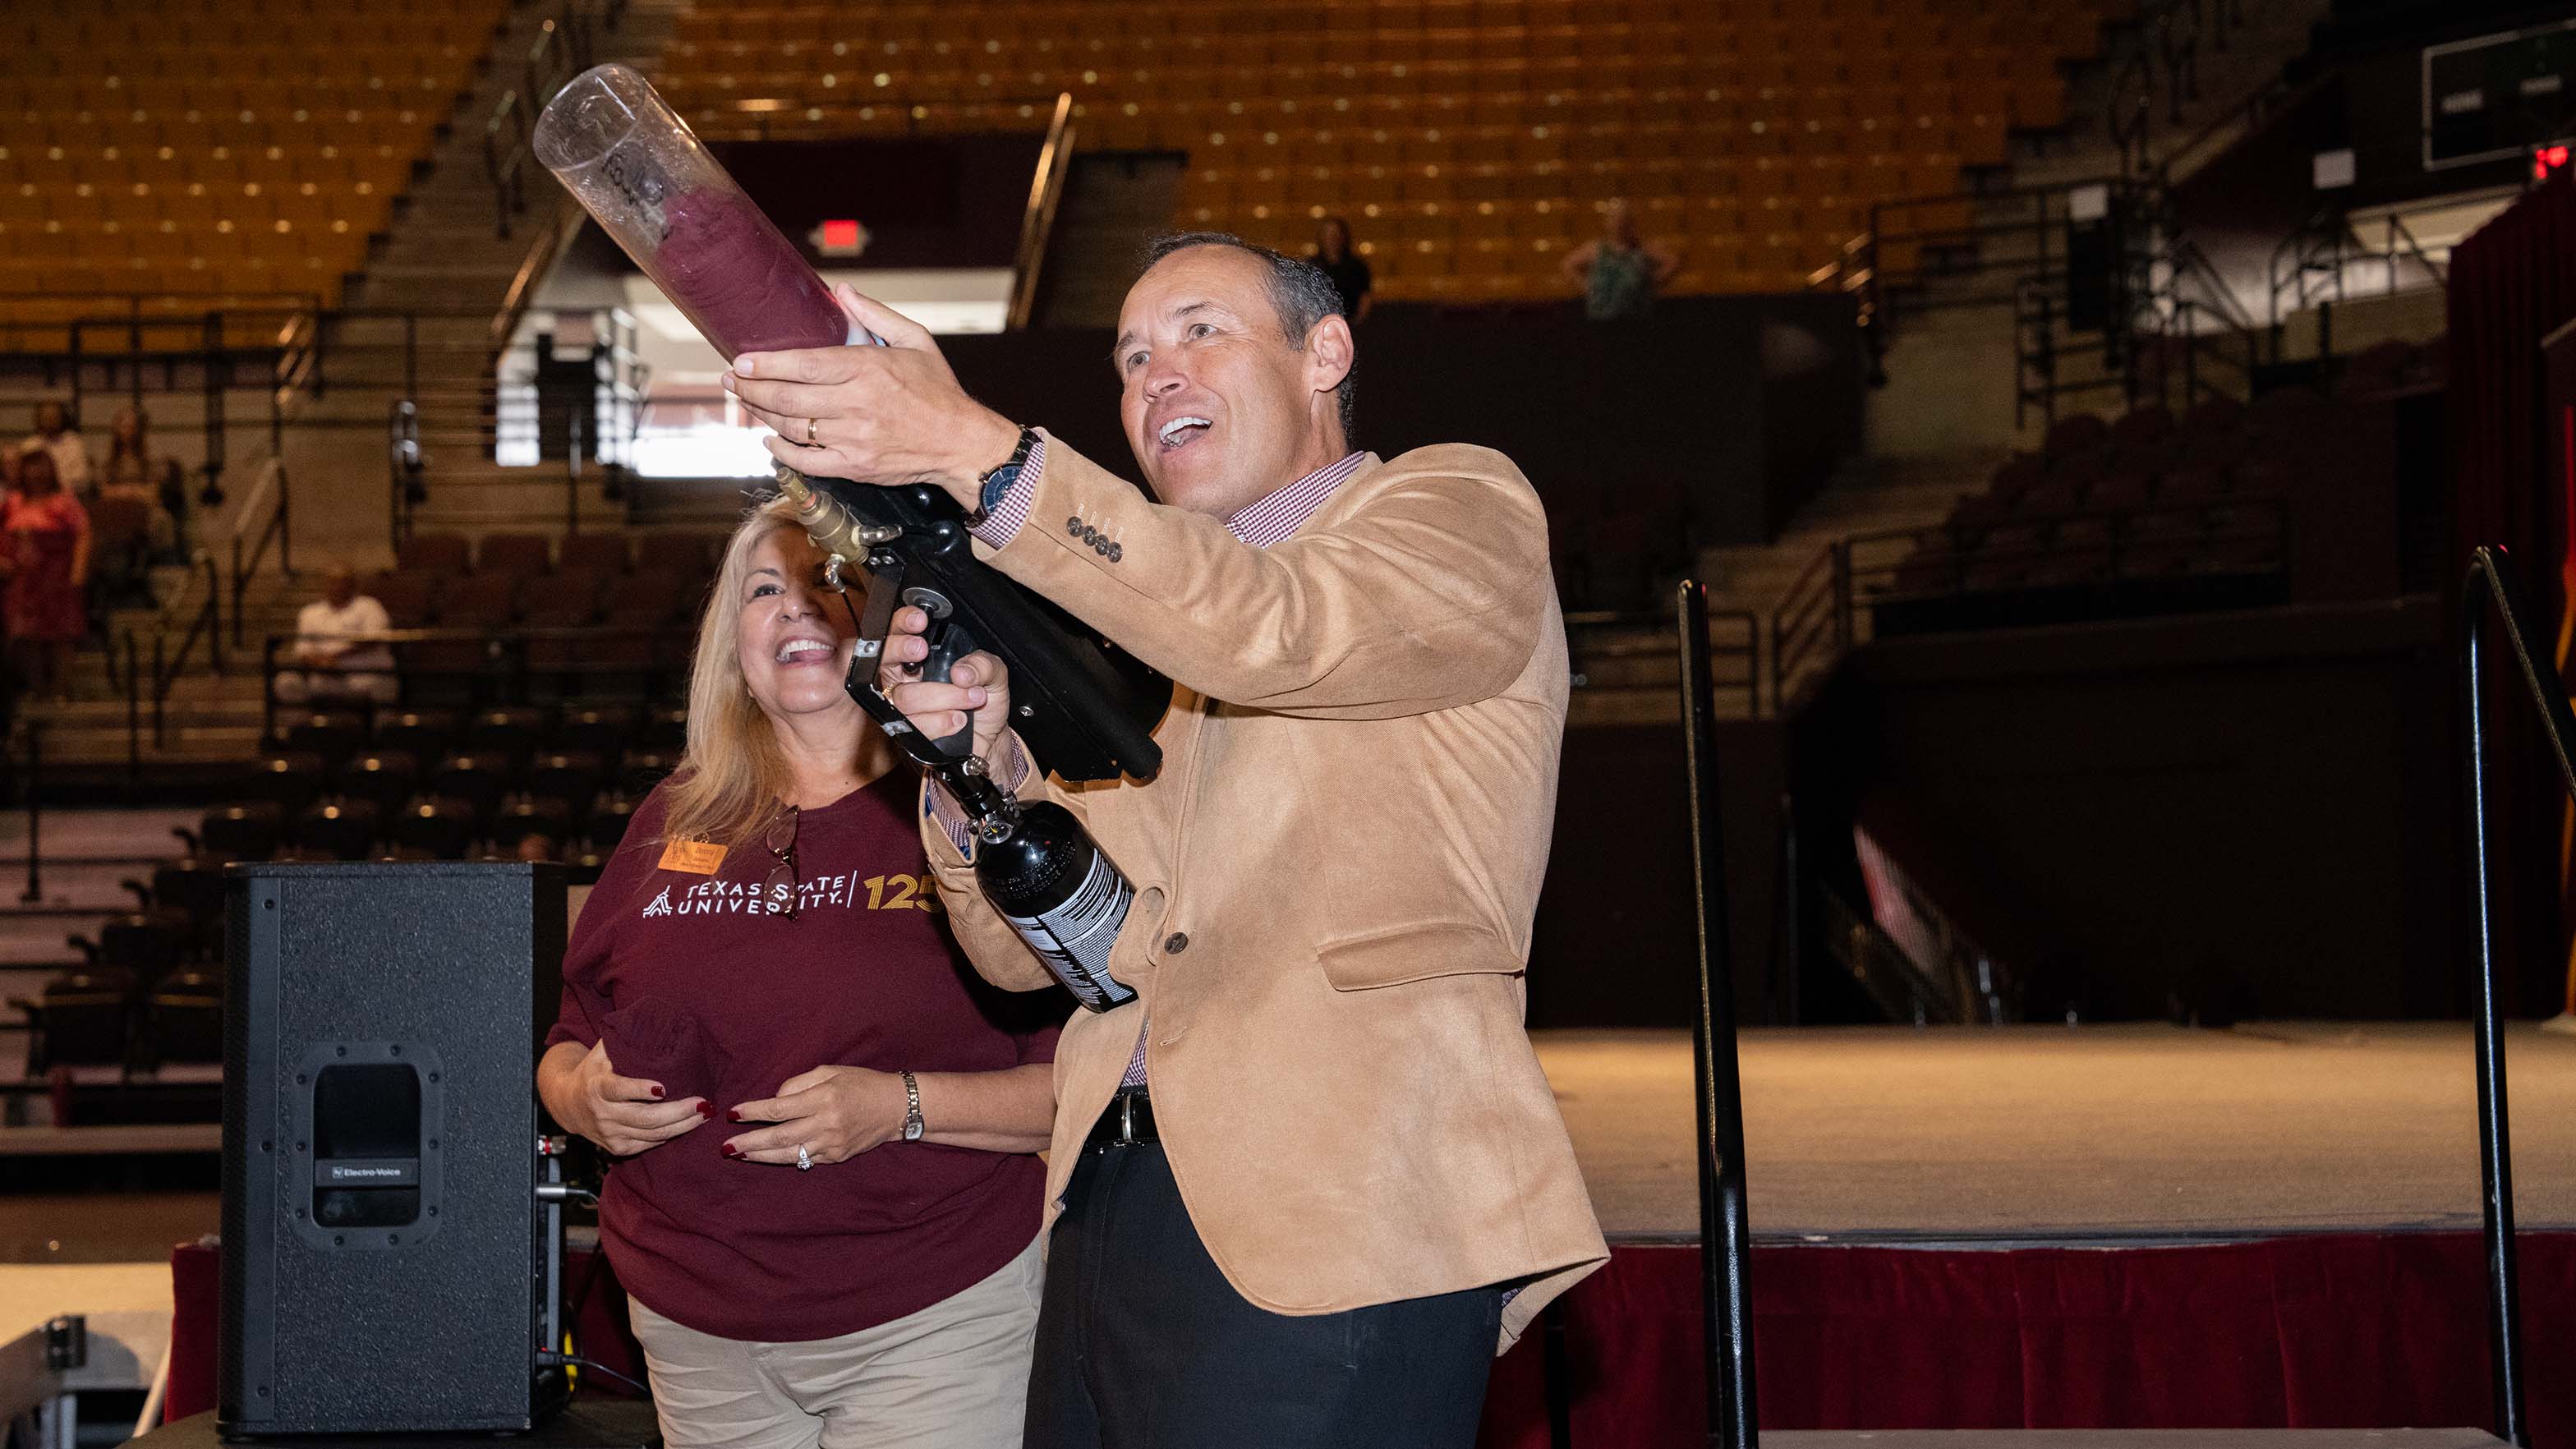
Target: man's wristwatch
{"x":912,"y":1124}
{"x":990,"y":488}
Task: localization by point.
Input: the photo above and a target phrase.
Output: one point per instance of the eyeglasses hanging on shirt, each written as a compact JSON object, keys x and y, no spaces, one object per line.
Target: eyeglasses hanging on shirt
{"x":780,"y":888}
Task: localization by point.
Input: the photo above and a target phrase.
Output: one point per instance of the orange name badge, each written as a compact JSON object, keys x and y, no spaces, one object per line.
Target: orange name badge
{"x":694,"y":857}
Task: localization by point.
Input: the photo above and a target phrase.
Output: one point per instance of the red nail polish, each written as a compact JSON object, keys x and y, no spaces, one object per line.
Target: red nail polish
{"x":732,"y":1151}
{"x":733,"y":1114}
{"x":657,"y":1091}
{"x":707,"y":1109}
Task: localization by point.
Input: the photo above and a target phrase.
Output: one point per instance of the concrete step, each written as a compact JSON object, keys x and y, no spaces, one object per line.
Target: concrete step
{"x":117,"y":836}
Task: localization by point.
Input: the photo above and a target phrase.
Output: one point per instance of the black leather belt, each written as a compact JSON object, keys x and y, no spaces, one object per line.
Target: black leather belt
{"x":1128,"y":1121}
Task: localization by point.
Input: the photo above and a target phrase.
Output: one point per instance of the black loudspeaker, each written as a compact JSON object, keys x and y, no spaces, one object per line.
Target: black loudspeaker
{"x":386,"y":1260}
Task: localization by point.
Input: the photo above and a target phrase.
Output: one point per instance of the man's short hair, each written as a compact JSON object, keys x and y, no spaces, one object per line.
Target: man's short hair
{"x":1299,"y":292}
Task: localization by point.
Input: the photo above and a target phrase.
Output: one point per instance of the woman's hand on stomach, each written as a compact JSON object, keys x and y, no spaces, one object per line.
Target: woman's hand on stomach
{"x":624,"y":1115}
{"x":834,"y":1113}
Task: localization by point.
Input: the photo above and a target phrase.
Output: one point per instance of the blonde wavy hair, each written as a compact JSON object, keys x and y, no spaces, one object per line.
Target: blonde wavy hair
{"x":730,"y":777}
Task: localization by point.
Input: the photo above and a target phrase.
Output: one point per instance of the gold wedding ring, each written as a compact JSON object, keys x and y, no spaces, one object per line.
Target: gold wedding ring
{"x":810,"y":425}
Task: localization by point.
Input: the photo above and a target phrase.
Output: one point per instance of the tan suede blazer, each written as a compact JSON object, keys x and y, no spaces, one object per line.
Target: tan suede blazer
{"x":1335,"y":875}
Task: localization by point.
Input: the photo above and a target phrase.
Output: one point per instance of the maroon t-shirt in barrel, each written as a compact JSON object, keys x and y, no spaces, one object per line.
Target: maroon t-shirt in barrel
{"x":695,"y":986}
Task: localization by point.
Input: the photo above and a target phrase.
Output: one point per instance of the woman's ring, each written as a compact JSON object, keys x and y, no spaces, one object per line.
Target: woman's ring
{"x":810,"y":425}
{"x":804,"y":1159}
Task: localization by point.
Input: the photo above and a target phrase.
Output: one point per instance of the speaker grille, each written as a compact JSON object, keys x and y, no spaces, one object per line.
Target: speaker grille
{"x":453,"y":963}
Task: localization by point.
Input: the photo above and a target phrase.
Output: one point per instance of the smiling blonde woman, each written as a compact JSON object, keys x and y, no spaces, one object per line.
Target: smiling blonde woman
{"x":847,"y":1255}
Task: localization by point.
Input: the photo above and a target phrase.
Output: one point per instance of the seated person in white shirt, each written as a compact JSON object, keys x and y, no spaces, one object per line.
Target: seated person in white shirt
{"x":332,"y":668}
{"x":54,"y":434}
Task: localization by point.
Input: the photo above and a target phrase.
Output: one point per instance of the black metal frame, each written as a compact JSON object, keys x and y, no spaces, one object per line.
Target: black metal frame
{"x":1817,"y":618}
{"x":504,"y":674}
{"x":2490,"y":578}
{"x":1726,"y":1240}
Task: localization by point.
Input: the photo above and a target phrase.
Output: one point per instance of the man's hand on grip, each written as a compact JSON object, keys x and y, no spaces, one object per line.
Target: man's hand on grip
{"x":977,"y":682}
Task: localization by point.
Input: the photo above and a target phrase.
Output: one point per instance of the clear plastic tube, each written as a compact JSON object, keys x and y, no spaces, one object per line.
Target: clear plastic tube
{"x":637,"y":168}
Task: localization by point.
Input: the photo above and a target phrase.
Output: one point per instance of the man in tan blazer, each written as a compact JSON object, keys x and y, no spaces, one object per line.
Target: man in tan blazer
{"x":1312,"y":1178}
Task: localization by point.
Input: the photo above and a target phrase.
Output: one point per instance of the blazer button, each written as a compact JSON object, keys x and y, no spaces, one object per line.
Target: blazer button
{"x":1073,"y":526}
{"x":1175,"y":943}
{"x":1116,"y":553}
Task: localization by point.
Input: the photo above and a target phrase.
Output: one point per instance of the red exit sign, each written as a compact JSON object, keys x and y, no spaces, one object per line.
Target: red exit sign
{"x":840,"y":238}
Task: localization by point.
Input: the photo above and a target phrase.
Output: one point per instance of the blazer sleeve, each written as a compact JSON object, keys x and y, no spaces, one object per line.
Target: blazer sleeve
{"x":1427,"y":595}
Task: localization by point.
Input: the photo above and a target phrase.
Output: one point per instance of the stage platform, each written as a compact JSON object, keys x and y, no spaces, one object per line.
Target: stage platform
{"x":2042,"y":1228}
{"x":2053,"y":1135}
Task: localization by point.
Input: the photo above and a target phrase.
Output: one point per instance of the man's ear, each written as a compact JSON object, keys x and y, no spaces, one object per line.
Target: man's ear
{"x":1330,"y":351}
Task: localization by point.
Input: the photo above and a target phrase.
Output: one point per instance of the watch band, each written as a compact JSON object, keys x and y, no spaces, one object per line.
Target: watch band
{"x":912,"y":1123}
{"x":991,"y":487}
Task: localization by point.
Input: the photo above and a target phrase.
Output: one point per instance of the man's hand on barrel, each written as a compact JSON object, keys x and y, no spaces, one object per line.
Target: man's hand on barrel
{"x":891,"y":414}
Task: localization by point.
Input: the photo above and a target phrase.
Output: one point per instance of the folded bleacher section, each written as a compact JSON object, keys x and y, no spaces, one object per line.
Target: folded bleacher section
{"x":1467,"y":141}
{"x":2150,"y":512}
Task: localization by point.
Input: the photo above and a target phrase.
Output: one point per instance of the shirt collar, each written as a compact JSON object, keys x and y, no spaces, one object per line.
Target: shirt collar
{"x":1282,"y":511}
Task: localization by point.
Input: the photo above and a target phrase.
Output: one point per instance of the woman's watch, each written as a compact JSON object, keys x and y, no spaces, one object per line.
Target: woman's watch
{"x":912,"y":1125}
{"x":990,"y":488}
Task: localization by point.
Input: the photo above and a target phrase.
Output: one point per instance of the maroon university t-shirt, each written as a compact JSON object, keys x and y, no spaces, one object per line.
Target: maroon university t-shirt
{"x":695,"y":987}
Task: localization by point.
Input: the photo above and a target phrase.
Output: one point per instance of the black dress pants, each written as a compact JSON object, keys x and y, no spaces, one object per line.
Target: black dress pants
{"x":1142,"y":1344}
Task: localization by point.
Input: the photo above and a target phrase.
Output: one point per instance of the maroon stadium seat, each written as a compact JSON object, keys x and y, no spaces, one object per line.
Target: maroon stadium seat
{"x":521,"y":555}
{"x":434,"y":553}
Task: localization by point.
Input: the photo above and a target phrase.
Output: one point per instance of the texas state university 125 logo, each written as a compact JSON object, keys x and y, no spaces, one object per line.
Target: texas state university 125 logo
{"x":895,"y":892}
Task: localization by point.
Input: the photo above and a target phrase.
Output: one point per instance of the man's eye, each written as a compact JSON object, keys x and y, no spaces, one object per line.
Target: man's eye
{"x":1203,"y":329}
{"x":1135,"y":360}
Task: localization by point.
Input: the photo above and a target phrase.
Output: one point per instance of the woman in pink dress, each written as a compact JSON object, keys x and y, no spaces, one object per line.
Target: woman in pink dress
{"x":48,"y":543}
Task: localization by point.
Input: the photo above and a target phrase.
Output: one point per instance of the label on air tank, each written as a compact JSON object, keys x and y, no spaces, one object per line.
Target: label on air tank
{"x":1073,"y":940}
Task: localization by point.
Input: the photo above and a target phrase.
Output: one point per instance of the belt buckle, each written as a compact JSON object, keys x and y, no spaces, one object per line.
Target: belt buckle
{"x":1126,"y":1119}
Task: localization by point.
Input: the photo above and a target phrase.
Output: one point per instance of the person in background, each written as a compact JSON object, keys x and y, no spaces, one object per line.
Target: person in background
{"x":48,"y":593}
{"x":1348,"y":269}
{"x":333,"y":664}
{"x":764,"y":948}
{"x":55,"y":437}
{"x":1619,"y":273}
{"x":132,"y":471}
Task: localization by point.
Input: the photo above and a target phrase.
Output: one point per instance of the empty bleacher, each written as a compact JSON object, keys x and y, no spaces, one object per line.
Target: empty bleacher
{"x":2148,"y":512}
{"x":1468,"y":141}
{"x":235,"y":157}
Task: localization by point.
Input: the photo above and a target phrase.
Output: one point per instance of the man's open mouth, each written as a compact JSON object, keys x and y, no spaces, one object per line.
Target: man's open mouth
{"x":1181,"y":432}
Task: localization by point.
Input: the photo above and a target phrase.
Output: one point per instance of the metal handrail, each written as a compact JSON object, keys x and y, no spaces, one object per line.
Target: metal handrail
{"x":1037,"y":223}
{"x":505,"y":647}
{"x":2490,"y":575}
{"x":1726,"y":1235}
{"x":273,"y":529}
{"x":533,"y":268}
{"x":1815,"y":621}
{"x":1892,"y":979}
{"x":403,"y":463}
{"x":506,"y":166}
{"x":1740,"y":646}
{"x":206,"y":623}
{"x":708,"y":119}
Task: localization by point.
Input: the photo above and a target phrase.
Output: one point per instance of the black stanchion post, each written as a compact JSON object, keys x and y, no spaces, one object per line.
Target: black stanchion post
{"x":1726,"y":1247}
{"x":35,"y":890}
{"x":2489,"y":578}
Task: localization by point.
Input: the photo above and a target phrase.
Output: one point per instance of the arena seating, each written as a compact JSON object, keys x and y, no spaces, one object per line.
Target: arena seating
{"x":237,"y":154}
{"x":1467,"y":141}
{"x":2146,"y":512}
{"x":445,"y":580}
{"x":444,"y":783}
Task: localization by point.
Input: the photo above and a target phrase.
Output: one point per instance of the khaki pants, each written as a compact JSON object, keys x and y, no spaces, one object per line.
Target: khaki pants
{"x":953,"y":1376}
